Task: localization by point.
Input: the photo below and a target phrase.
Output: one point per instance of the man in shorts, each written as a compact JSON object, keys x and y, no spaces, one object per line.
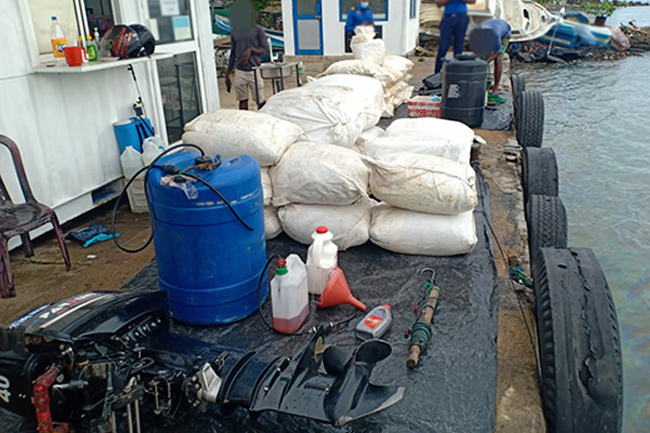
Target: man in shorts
{"x":248,"y":44}
{"x":490,"y":40}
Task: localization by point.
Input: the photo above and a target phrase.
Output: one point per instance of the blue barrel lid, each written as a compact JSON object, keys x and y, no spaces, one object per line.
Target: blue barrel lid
{"x":237,"y":179}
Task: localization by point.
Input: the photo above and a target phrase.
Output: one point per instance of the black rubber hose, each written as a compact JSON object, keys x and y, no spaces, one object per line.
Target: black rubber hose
{"x":147,"y":170}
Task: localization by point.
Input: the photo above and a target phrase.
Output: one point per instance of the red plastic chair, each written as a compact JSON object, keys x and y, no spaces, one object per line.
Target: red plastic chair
{"x":20,"y":219}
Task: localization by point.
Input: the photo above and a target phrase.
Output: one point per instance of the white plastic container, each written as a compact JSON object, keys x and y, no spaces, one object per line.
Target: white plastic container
{"x":131,"y":161}
{"x":289,"y":296}
{"x":322,"y":258}
{"x":151,"y":148}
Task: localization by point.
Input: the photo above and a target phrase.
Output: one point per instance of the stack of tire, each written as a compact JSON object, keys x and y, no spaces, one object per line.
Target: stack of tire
{"x":579,"y":342}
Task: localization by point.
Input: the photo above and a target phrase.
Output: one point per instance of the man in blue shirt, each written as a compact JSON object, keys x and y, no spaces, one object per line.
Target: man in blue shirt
{"x":358,"y":15}
{"x":452,"y":26}
{"x":490,"y":40}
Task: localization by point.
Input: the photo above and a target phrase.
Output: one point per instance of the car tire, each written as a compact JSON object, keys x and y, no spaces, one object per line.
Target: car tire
{"x":547,"y":224}
{"x":530,"y":124}
{"x":539,"y":172}
{"x":579,"y":343}
{"x":518,"y":85}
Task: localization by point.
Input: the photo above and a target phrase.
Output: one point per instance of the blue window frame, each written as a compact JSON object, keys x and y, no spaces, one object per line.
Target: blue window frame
{"x":379,"y":9}
{"x":413,"y":11}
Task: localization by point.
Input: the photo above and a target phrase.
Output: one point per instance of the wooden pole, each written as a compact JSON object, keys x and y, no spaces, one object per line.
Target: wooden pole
{"x":414,"y":352}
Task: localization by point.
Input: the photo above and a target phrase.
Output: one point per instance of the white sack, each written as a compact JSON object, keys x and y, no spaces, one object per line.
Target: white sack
{"x":373,"y":51}
{"x":231,"y":133}
{"x":367,"y":137}
{"x":327,"y":114}
{"x":272,"y":226}
{"x":454,"y":150}
{"x":267,"y":188}
{"x":409,"y":232}
{"x":363,"y":67}
{"x":367,"y":89}
{"x":398,"y":93}
{"x":316,"y":173}
{"x":424,"y":183}
{"x":350,"y":225}
{"x":400,"y":65}
{"x":363,"y":34}
{"x":431,"y":128}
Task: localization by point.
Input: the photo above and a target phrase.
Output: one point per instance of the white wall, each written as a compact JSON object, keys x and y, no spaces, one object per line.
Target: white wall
{"x":63,"y":123}
{"x":399,"y":33}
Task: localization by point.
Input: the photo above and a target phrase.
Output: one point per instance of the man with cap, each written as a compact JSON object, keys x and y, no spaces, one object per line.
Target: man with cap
{"x":490,"y":40}
{"x":359,"y":15}
{"x":452,"y":26}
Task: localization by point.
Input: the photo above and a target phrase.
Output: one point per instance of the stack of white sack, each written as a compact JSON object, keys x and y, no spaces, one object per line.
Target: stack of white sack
{"x":371,"y":60}
{"x":231,"y":133}
{"x":421,"y":171}
{"x":334,"y":110}
{"x":323,"y":184}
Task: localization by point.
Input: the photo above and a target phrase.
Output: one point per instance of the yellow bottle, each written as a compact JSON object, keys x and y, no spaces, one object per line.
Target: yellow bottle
{"x":58,"y":39}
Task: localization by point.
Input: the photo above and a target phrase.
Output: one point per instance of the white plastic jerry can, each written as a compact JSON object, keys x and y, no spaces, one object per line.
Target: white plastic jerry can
{"x":289,"y":296}
{"x":131,"y":161}
{"x":322,"y":258}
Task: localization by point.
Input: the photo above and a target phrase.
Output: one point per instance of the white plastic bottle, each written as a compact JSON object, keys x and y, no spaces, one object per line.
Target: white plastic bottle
{"x":131,"y":161}
{"x":289,"y":296}
{"x":151,"y":148}
{"x":322,"y":258}
{"x":58,"y":39}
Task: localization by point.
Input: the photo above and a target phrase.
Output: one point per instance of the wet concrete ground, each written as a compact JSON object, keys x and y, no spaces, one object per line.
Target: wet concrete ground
{"x":42,"y":278}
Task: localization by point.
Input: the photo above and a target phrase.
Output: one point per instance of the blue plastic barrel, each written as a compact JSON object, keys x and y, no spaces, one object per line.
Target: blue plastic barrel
{"x":132,"y":132}
{"x":208,"y":262}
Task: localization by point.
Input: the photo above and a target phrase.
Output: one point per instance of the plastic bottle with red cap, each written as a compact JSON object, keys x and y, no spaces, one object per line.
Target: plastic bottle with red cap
{"x":322,"y":258}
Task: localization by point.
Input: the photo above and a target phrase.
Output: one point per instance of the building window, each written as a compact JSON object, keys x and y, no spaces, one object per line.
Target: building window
{"x":98,"y":14}
{"x":413,"y":11}
{"x":379,"y":9}
{"x":170,"y":20}
{"x":180,"y":92}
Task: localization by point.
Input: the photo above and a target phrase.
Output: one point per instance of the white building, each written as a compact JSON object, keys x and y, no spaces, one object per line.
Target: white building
{"x":317,"y":27}
{"x":62,"y":117}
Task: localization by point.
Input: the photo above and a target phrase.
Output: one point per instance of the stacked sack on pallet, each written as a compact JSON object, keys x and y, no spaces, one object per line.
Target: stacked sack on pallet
{"x":420,"y":171}
{"x":371,"y":61}
{"x":231,"y":133}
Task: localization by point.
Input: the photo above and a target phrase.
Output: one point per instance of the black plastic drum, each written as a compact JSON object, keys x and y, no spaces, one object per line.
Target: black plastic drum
{"x":464,"y":82}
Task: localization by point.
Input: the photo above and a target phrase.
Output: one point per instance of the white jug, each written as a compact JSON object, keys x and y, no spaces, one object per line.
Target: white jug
{"x":131,"y":161}
{"x":289,"y":296}
{"x":322,"y":258}
{"x":151,"y":148}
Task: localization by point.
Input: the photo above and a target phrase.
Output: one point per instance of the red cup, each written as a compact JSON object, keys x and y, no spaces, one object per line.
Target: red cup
{"x":74,"y":56}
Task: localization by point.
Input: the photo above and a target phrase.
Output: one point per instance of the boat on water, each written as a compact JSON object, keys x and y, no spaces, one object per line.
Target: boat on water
{"x":572,"y":34}
{"x":529,"y":20}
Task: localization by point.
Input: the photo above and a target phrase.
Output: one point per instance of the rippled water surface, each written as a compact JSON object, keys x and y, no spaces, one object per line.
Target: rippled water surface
{"x":598,"y":123}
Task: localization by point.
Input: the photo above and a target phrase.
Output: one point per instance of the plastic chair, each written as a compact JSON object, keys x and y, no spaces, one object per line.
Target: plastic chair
{"x":20,"y":219}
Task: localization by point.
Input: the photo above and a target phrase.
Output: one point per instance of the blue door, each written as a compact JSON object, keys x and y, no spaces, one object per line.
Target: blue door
{"x":308,"y":27}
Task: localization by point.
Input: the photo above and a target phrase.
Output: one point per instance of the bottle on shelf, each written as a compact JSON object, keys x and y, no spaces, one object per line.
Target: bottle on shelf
{"x":58,"y":39}
{"x":91,"y":49}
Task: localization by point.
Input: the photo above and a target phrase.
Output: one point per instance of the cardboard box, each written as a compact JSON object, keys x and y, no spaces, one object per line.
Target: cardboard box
{"x":424,"y":106}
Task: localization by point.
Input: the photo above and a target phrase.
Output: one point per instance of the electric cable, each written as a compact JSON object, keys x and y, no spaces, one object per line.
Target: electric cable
{"x":147,"y":170}
{"x":517,"y":295}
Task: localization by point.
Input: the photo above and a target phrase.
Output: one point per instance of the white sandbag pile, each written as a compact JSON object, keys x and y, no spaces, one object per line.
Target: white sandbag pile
{"x":231,"y":133}
{"x":316,"y":173}
{"x":371,"y":61}
{"x":332,"y":111}
{"x":272,"y":225}
{"x":421,"y":171}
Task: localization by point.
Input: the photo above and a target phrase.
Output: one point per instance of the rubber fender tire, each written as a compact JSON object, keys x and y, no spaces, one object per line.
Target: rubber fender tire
{"x":579,"y":343}
{"x":518,"y":85}
{"x":539,"y":173}
{"x":530,"y":125}
{"x":547,"y":224}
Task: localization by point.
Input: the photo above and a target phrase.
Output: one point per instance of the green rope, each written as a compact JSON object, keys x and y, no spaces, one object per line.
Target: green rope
{"x":421,"y":332}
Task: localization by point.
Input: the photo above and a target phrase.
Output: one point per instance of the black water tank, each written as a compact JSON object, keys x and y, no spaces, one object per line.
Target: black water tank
{"x":464,"y":82}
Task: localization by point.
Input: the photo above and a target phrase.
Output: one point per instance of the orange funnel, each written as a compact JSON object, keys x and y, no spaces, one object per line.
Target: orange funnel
{"x":337,"y":292}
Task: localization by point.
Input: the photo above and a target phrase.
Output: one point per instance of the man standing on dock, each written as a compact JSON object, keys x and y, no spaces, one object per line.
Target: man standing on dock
{"x":452,"y":26}
{"x":359,"y":15}
{"x":248,"y":44}
{"x":490,"y":40}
